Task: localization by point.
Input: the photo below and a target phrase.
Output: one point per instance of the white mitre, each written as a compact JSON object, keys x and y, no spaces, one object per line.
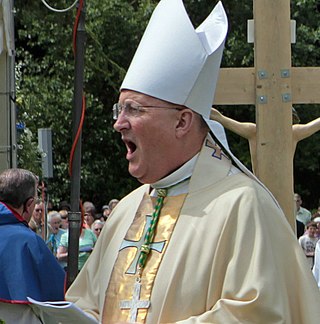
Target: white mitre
{"x":179,"y":64}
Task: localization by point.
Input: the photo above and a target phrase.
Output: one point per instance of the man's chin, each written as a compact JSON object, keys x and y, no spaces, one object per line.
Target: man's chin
{"x":140,"y":179}
{"x":134,"y":172}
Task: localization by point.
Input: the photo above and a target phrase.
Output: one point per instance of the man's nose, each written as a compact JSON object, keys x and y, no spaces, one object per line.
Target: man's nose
{"x":122,"y":122}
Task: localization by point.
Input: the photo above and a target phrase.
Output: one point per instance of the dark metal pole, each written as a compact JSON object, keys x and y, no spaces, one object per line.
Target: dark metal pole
{"x":75,"y":215}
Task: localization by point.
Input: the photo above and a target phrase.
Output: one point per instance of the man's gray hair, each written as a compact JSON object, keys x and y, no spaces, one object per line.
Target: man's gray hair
{"x":89,"y":207}
{"x":53,"y":214}
{"x":17,"y":186}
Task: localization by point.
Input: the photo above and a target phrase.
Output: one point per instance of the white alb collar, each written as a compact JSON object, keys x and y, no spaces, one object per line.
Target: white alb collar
{"x":176,"y":180}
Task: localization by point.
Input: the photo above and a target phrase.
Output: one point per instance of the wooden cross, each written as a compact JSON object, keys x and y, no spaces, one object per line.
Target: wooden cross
{"x":272,"y":85}
{"x":135,"y":303}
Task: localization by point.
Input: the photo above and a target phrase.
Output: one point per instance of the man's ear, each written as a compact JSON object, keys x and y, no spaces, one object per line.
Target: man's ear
{"x":27,"y":209}
{"x":28,"y":204}
{"x":185,"y":120}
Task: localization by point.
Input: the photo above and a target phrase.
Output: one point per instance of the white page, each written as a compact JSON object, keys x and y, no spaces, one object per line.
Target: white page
{"x":61,"y":312}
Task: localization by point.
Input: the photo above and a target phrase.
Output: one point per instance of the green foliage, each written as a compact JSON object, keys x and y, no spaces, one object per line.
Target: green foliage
{"x":45,"y":86}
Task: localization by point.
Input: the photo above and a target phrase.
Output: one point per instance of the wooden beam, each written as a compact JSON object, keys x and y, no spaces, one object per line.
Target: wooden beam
{"x":305,"y":85}
{"x":236,"y":86}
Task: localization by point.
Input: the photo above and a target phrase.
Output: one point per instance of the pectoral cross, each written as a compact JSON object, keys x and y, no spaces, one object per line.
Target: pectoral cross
{"x":135,"y":303}
{"x":156,"y":246}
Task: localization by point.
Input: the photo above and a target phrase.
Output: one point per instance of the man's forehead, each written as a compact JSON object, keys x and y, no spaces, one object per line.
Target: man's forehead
{"x":142,"y":98}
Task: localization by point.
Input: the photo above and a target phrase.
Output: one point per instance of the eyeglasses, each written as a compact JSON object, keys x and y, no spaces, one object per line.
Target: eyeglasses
{"x":98,"y":229}
{"x":134,"y":109}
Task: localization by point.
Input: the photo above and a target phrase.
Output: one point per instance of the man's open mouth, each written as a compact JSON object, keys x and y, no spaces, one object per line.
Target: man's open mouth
{"x":131,"y":147}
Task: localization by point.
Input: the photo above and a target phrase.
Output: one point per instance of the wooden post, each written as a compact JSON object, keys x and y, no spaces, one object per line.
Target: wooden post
{"x":272,"y":49}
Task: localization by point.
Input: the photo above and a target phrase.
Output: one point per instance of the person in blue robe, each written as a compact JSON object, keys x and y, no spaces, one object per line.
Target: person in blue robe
{"x":27,"y":267}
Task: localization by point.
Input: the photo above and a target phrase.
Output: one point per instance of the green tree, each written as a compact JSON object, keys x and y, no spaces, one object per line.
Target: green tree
{"x":46,"y":82}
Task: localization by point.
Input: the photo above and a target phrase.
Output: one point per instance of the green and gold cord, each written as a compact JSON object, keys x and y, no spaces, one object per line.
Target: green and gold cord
{"x":145,"y":248}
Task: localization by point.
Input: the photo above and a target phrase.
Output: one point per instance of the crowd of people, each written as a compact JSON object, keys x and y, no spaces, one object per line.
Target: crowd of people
{"x":308,"y":234}
{"x":56,"y":233}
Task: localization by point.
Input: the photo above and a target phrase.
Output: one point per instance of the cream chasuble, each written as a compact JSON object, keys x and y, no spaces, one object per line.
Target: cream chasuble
{"x":220,"y":255}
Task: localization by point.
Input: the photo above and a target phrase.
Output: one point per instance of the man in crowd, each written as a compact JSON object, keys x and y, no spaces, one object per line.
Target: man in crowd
{"x":55,"y":231}
{"x":303,"y":215}
{"x":27,"y":267}
{"x":308,"y":242}
{"x":200,"y":241}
